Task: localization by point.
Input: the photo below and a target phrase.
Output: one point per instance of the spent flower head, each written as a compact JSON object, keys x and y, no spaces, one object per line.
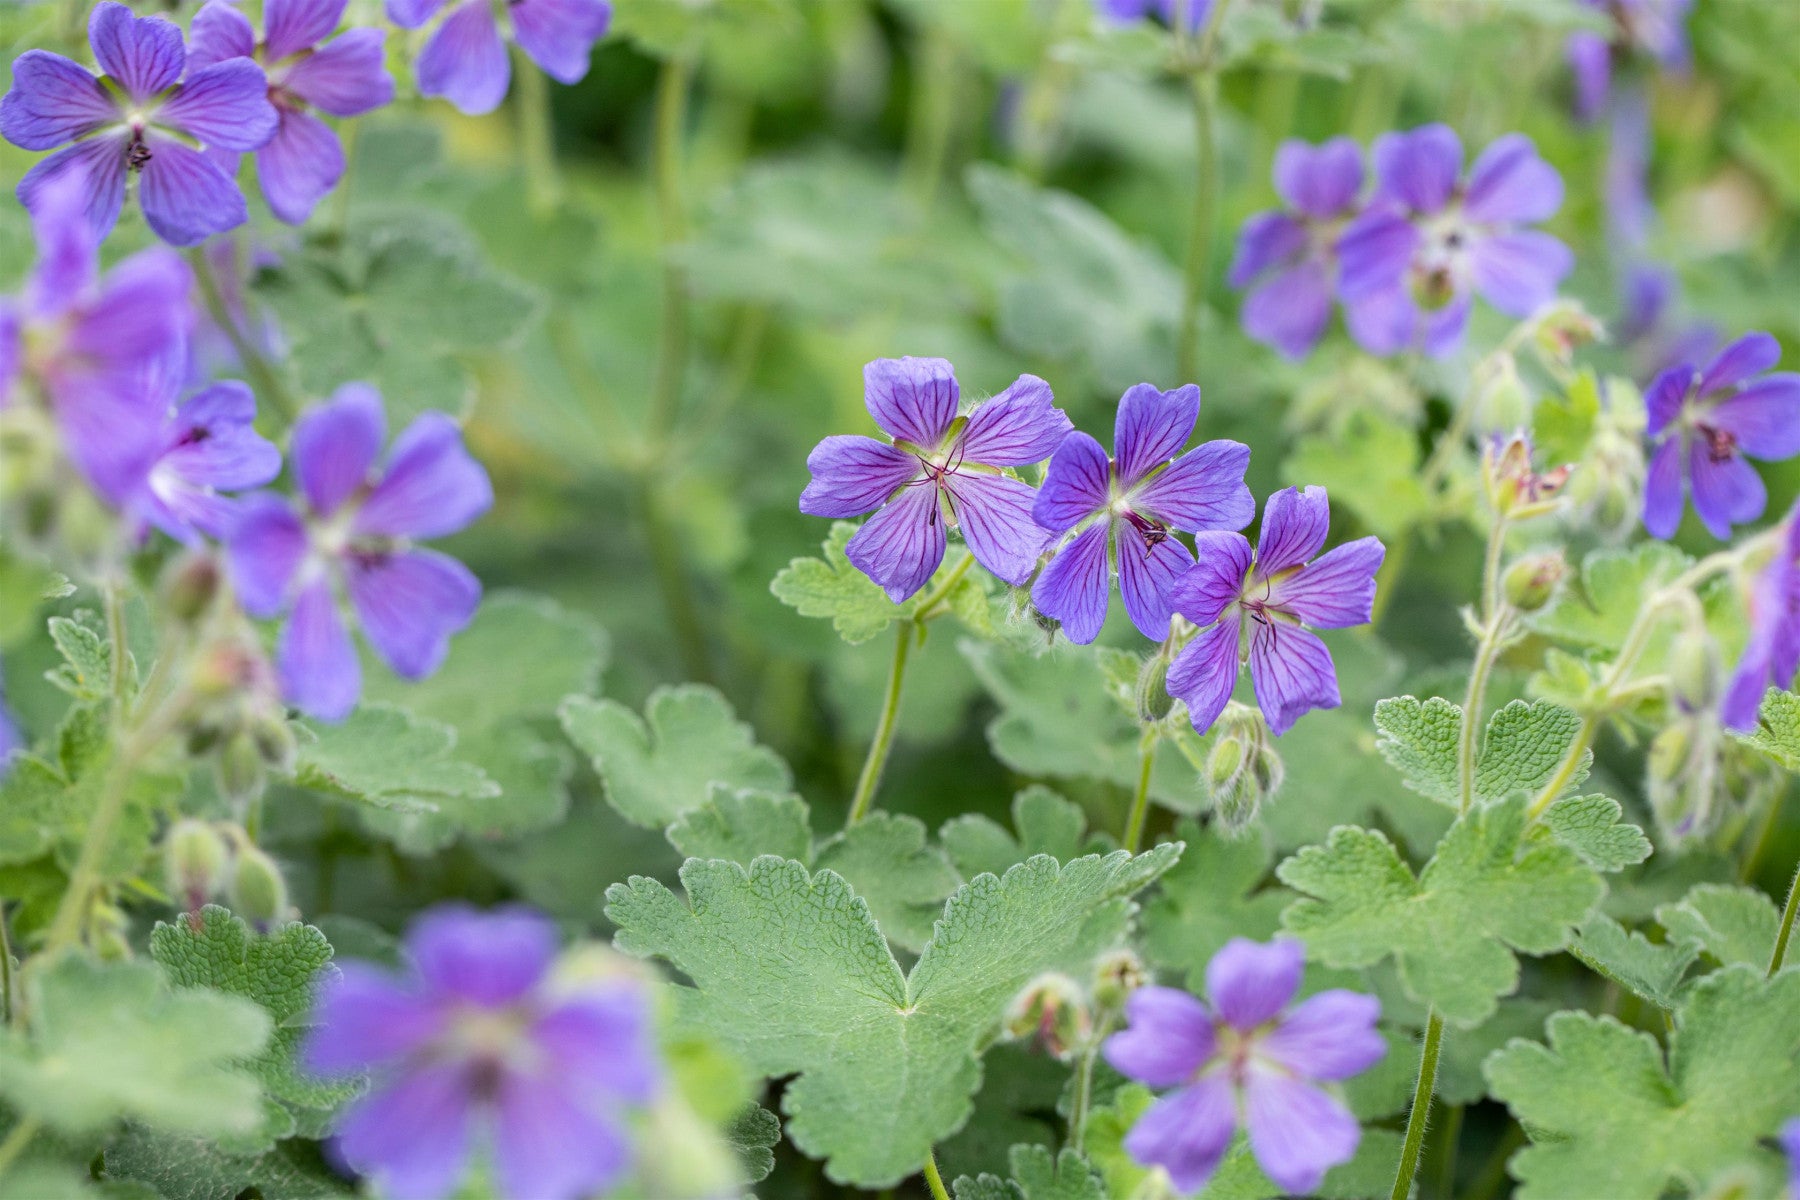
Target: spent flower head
{"x":941,"y":471}
{"x":354,"y":536}
{"x":465,"y":59}
{"x":1123,"y":511}
{"x":1257,"y":607}
{"x":1515,"y":488}
{"x":1702,"y":425}
{"x":140,"y":118}
{"x":479,"y":1049}
{"x":1432,"y":239}
{"x":1290,"y":255}
{"x":1247,"y":1058}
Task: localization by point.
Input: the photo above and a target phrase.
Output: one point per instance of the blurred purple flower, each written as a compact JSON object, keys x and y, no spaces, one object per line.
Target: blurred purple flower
{"x":465,"y":60}
{"x":356,"y":537}
{"x":139,"y":118}
{"x":941,"y":470}
{"x":11,"y":740}
{"x":1293,"y":252}
{"x":1655,"y":29}
{"x":1409,"y":265}
{"x":344,"y":77}
{"x":1649,"y":329}
{"x":1790,"y":1145}
{"x":210,"y":447}
{"x":1272,"y":597}
{"x":1127,"y":11}
{"x":91,"y":347}
{"x":1127,"y":507}
{"x":1703,"y":423}
{"x":1772,"y":654}
{"x":1249,"y":1058}
{"x":476,"y":1046}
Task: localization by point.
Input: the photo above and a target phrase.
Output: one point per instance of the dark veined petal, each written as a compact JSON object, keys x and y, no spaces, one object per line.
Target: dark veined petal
{"x":1664,"y":490}
{"x":489,"y":959}
{"x":265,"y":548}
{"x":1764,"y":417}
{"x":186,"y":197}
{"x":1187,"y":1132}
{"x":1221,"y":560}
{"x":901,"y":546}
{"x":219,"y":32}
{"x":1750,"y":355}
{"x":144,"y":54}
{"x":1335,"y":590}
{"x":1294,"y":527}
{"x":1293,"y":674}
{"x":1076,"y":484}
{"x":1519,"y":272}
{"x":216,"y":443}
{"x":1205,"y":672}
{"x":1202,"y":490}
{"x":912,"y":399}
{"x":225,"y":105}
{"x":1727,"y":490}
{"x":300,"y":164}
{"x":1147,"y":580}
{"x":1249,"y":983}
{"x":346,"y":77}
{"x":1374,"y":253}
{"x":1510,"y":182}
{"x":1330,"y":1035}
{"x":53,"y":100}
{"x":412,"y":1134}
{"x":852,"y":475}
{"x":99,"y":163}
{"x":1291,"y":309}
{"x":1297,"y":1131}
{"x":548,"y":1145}
{"x":315,"y":659}
{"x":1152,"y":427}
{"x":465,"y":61}
{"x":1076,"y":587}
{"x":366,"y":1017}
{"x":1021,"y":425}
{"x":431,"y":486}
{"x":1320,"y":181}
{"x":1167,"y":1039}
{"x":1267,"y":240}
{"x":994,"y":514}
{"x":1418,"y":168}
{"x":410,"y":604}
{"x":335,"y":445}
{"x":605,"y":1041}
{"x":290,"y":26}
{"x":559,"y":35}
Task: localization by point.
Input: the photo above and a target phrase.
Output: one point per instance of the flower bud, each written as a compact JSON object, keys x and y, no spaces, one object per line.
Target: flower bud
{"x":106,"y":933}
{"x":1503,"y":401}
{"x":189,"y":586}
{"x":195,"y":860}
{"x":1116,"y":976}
{"x":1052,"y":1009}
{"x":1514,"y":487}
{"x":258,"y":891}
{"x":1531,"y":583}
{"x":1153,"y":699}
{"x":1682,"y":775}
{"x":1694,"y":680}
{"x":1242,"y":769}
{"x":1564,"y":328}
{"x":239,"y":769}
{"x":274,"y":743}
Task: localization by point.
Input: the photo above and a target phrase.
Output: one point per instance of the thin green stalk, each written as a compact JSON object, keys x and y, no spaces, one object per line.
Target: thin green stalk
{"x":876,"y":760}
{"x":6,"y":971}
{"x":1753,"y":853}
{"x":1081,"y":1102}
{"x":1496,"y":620}
{"x":671,"y":209}
{"x":933,"y":1180}
{"x":1421,"y":1107}
{"x":1787,"y":924}
{"x":1200,"y":229}
{"x":1140,"y":801}
{"x":263,"y":378}
{"x":1391,"y":572}
{"x":1448,"y":1137}
{"x":672,"y":579}
{"x":537,"y":138}
{"x":337,"y":222}
{"x":120,"y":650}
{"x":932,"y":122}
{"x":16,"y":1141}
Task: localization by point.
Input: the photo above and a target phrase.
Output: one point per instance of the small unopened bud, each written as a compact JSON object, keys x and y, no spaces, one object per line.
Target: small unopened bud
{"x":189,"y":586}
{"x":1052,"y":1009}
{"x":107,"y":934}
{"x":195,"y":860}
{"x":239,"y":768}
{"x":1694,"y":670}
{"x":274,"y":742}
{"x":1242,"y":769}
{"x":1682,"y":775}
{"x":1153,"y":699}
{"x":1504,"y":402}
{"x":1116,"y":976}
{"x":1668,"y":753}
{"x":258,"y":891}
{"x":1531,"y":583}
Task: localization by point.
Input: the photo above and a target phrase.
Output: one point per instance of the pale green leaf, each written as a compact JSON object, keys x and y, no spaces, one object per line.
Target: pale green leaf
{"x":1590,"y":826}
{"x":1371,"y":467}
{"x":1046,"y":824}
{"x":741,"y":823}
{"x":1038,"y":1175}
{"x":191,"y":1169}
{"x":1603,"y":602}
{"x":1653,"y":970}
{"x":1215,"y":893}
{"x":389,"y":758}
{"x":1419,"y":739}
{"x":830,"y":587}
{"x":905,"y":881}
{"x":1777,"y":732}
{"x":86,"y":670}
{"x":1732,"y":924}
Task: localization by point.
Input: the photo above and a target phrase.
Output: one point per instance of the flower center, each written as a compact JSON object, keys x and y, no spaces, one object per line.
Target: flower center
{"x":137,"y":151}
{"x":1721,"y":444}
{"x":1440,"y":268}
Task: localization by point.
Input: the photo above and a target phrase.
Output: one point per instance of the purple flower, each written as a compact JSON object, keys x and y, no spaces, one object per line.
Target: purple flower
{"x":11,"y":740}
{"x":1248,"y":1058}
{"x":1271,"y":598}
{"x":477,"y":1046}
{"x":1128,"y":11}
{"x":1408,"y":266}
{"x":941,"y":470}
{"x":91,"y":347}
{"x":139,"y":118}
{"x":1653,"y":28}
{"x":1790,"y":1145}
{"x":1772,"y":655}
{"x":1126,"y":507}
{"x":356,"y":537}
{"x":209,"y":447}
{"x":344,"y":77}
{"x":1703,"y":423}
{"x":1293,"y":253}
{"x":465,"y":61}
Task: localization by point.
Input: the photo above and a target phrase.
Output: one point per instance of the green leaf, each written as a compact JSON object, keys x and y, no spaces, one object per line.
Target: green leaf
{"x":1211,"y":896}
{"x":280,"y":972}
{"x":86,"y":670}
{"x":791,"y":973}
{"x":1372,"y":464}
{"x":1777,"y":732}
{"x":1732,"y":924}
{"x":1419,"y":739}
{"x":24,"y":586}
{"x":192,"y":1169}
{"x":1653,"y":970}
{"x":1590,"y":826}
{"x":1455,"y":928}
{"x":1609,"y":1116}
{"x":828,"y":586}
{"x":904,"y":881}
{"x":1521,"y":748}
{"x":1603,"y":602}
{"x":753,"y":1135}
{"x":389,"y":758}
{"x":1038,"y":1175}
{"x":740,"y":824}
{"x":661,"y":765}
{"x":1047,"y":824}
{"x":105,"y":1041}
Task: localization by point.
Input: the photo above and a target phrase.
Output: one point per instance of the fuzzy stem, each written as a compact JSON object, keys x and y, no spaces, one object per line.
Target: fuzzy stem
{"x":1421,"y":1107}
{"x":1496,"y":621}
{"x":263,"y":378}
{"x":876,"y":761}
{"x":1200,"y":229}
{"x":537,"y":139}
{"x":17,"y":1140}
{"x":933,"y":1180}
{"x":1787,"y":924}
{"x":6,"y":971}
{"x":119,"y":649}
{"x":1082,"y":1101}
{"x":1140,"y":802}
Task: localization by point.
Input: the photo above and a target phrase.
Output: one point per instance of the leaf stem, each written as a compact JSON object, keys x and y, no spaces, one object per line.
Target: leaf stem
{"x":119,"y":649}
{"x":1083,"y":1099}
{"x":17,"y":1140}
{"x":876,"y":760}
{"x":932,"y":121}
{"x":1421,"y":1107}
{"x":1140,"y":801}
{"x":1496,"y":624}
{"x":933,"y":1180}
{"x":263,"y":377}
{"x":537,"y":139}
{"x":1200,"y":228}
{"x":672,"y":578}
{"x":1787,"y":923}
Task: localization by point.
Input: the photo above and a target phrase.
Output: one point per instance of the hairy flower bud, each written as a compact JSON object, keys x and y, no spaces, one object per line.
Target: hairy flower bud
{"x":1153,"y":699}
{"x":1242,"y":769}
{"x":1564,"y":328}
{"x":1694,"y":673}
{"x":258,"y":891}
{"x":1531,"y":583}
{"x":1116,"y":976}
{"x":239,"y":769}
{"x":1682,"y":775}
{"x":1052,"y":1009}
{"x":189,"y":585}
{"x":1503,"y":402}
{"x":195,"y":860}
